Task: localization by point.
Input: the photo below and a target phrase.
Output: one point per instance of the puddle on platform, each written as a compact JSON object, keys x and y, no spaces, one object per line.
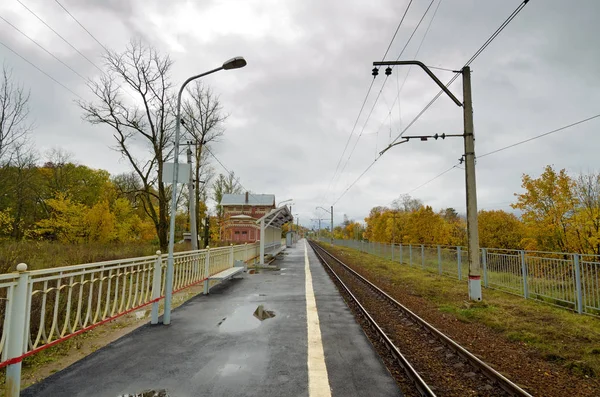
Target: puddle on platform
{"x":262,"y":314}
{"x":240,"y":320}
{"x":245,"y":318}
{"x":230,"y":369}
{"x":148,"y":393}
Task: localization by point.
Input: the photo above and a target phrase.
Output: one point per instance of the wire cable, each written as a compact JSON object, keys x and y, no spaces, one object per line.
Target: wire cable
{"x":539,"y":136}
{"x":511,"y":146}
{"x":83,"y":27}
{"x":40,"y":70}
{"x":397,"y":29}
{"x":43,"y":48}
{"x":410,"y":68}
{"x":433,"y":179}
{"x":337,"y":167}
{"x":58,"y":34}
{"x":228,"y":171}
{"x":356,"y":180}
{"x":477,"y":53}
{"x":382,"y":86}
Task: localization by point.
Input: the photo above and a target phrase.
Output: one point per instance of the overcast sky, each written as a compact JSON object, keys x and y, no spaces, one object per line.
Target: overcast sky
{"x":309,"y":67}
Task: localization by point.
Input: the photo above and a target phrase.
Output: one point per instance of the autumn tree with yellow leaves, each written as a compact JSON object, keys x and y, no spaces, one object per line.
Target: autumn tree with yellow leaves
{"x":556,"y":213}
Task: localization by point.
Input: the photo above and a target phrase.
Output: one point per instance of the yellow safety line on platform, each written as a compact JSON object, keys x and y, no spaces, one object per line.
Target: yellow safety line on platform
{"x":318,"y":381}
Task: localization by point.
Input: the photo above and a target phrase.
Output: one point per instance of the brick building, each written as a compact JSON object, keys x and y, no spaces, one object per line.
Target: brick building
{"x":240,"y":213}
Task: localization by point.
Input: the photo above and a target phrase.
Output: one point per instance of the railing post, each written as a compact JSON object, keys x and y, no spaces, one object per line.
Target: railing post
{"x":484,"y":263}
{"x":459,"y":260}
{"x":245,"y":252}
{"x":16,"y":337}
{"x":439,"y":249}
{"x":422,"y":256}
{"x":401,"y":259}
{"x":392,"y":252}
{"x":231,"y":255}
{"x":206,"y":271}
{"x":524,"y":273}
{"x":576,"y":265}
{"x":409,"y":254}
{"x":156,"y":284}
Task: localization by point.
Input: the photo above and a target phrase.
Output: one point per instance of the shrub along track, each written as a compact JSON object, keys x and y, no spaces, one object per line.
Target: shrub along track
{"x":421,"y":359}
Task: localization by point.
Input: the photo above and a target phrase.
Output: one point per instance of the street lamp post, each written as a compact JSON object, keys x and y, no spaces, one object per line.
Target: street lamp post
{"x":233,"y":63}
{"x":469,"y":157}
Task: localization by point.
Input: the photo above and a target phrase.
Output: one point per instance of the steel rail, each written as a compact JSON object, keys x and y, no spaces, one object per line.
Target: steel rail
{"x":412,"y":373}
{"x":506,"y":384}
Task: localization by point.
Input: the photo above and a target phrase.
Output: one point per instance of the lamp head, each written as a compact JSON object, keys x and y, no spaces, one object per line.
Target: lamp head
{"x":234,"y":63}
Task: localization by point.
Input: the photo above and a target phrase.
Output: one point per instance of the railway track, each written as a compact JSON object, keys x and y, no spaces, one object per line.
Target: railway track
{"x":430,"y":362}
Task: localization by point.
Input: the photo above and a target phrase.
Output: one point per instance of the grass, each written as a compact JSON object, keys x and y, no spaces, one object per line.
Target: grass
{"x":557,"y":335}
{"x":47,"y":254}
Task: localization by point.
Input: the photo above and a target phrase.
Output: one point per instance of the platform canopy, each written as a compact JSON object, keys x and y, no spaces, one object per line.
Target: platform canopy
{"x":277,"y":217}
{"x":270,"y":229}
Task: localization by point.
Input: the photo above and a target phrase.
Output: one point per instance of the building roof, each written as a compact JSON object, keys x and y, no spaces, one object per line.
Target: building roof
{"x":248,"y":199}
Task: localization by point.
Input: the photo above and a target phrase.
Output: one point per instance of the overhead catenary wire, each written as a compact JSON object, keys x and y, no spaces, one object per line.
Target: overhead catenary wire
{"x":355,"y":181}
{"x":511,"y":146}
{"x":83,"y":27}
{"x":59,"y":35}
{"x":366,"y":97}
{"x":477,"y":53}
{"x":40,"y":70}
{"x":433,"y":179}
{"x":382,"y":87}
{"x":43,"y":48}
{"x":401,"y":87}
{"x":539,"y":136}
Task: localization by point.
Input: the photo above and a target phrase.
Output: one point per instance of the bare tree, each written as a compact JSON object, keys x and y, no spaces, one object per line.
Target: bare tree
{"x":406,"y":203}
{"x":128,"y":186}
{"x":146,"y":123}
{"x":203,"y":119}
{"x":225,"y":185}
{"x":14,"y":111}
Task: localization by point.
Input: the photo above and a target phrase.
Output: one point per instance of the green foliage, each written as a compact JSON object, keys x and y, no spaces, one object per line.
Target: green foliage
{"x":69,"y":203}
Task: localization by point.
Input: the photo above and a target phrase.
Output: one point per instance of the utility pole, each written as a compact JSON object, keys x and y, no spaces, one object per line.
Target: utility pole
{"x":192,"y":200}
{"x":469,"y":158}
{"x":472,"y":224}
{"x":206,"y":231}
{"x":332,"y":225}
{"x":319,"y":230}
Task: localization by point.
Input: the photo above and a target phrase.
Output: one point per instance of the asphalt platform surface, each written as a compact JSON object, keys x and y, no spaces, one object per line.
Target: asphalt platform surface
{"x":215,"y":346}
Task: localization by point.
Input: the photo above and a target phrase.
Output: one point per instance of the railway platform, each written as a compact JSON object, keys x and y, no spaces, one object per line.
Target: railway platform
{"x":284,"y":332}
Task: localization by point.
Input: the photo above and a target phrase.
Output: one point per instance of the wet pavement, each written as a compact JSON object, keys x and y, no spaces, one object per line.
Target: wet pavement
{"x":247,"y":338}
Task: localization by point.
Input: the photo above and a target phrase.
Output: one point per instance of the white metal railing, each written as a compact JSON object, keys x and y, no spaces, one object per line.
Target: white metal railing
{"x":41,"y":308}
{"x":565,"y":279}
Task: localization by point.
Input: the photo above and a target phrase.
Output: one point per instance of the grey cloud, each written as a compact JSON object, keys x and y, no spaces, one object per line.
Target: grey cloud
{"x":294,"y":105}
